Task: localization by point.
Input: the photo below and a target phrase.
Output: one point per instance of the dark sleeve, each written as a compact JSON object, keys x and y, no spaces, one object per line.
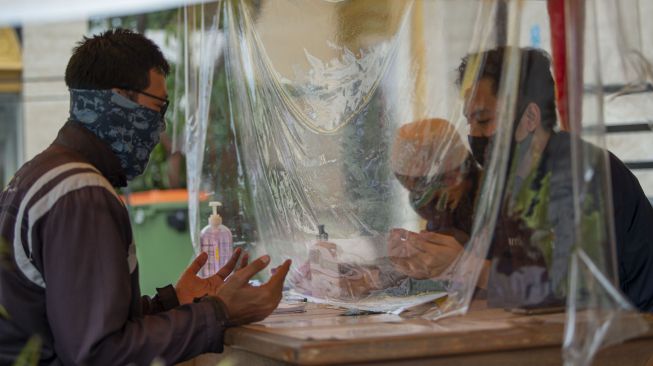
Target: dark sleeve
{"x":633,"y":217}
{"x":165,"y":299}
{"x":93,"y":314}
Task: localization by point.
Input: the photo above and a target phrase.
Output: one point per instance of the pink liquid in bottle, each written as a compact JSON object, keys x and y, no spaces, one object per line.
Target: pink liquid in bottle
{"x":216,"y":240}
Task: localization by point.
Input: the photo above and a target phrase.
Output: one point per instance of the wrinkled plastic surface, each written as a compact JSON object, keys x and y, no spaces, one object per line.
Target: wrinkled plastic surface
{"x":598,"y":314}
{"x":330,"y":166}
{"x":353,"y":132}
{"x":354,"y":122}
{"x":203,"y":47}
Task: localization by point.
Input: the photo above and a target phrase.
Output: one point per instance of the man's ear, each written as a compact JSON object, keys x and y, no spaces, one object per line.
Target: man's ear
{"x":125,"y":93}
{"x":532,"y":117}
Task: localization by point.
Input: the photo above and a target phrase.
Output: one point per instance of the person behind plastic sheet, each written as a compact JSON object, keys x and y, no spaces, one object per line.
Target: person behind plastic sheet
{"x":69,"y":274}
{"x":540,"y":166}
{"x":430,"y":160}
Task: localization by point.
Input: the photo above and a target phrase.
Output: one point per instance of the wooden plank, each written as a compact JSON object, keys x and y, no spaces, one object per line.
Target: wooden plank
{"x":332,"y":339}
{"x":635,"y":353}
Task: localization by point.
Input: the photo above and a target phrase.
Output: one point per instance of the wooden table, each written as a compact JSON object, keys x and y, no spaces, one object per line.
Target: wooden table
{"x":321,"y":336}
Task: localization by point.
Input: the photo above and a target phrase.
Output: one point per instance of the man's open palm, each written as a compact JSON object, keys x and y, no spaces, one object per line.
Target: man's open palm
{"x":191,"y":286}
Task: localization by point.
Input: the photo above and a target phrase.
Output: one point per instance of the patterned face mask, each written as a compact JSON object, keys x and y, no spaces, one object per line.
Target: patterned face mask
{"x":130,"y":129}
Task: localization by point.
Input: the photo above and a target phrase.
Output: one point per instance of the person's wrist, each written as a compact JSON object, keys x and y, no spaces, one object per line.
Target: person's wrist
{"x":182,"y":297}
{"x":221,"y":313}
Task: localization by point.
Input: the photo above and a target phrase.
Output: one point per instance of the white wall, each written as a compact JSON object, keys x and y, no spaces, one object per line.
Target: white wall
{"x":46,"y":50}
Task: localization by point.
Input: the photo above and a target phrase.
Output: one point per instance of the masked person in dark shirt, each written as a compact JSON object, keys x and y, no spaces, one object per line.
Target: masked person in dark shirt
{"x":534,"y":235}
{"x":535,"y":230}
{"x":69,"y":274}
{"x":431,"y":161}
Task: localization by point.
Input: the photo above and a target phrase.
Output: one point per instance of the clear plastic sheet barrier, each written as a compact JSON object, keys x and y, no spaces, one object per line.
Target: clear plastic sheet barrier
{"x":399,"y":152}
{"x":608,"y":53}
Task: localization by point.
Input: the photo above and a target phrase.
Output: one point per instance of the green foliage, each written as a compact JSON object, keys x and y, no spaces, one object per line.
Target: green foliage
{"x":5,"y":254}
{"x":4,"y":314}
{"x":155,"y":175}
{"x":594,"y":234}
{"x":367,"y":171}
{"x":533,"y":207}
{"x":30,"y":354}
{"x":221,"y":154}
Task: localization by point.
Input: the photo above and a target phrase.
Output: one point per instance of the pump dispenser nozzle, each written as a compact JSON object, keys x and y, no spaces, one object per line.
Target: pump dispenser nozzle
{"x":215,"y":219}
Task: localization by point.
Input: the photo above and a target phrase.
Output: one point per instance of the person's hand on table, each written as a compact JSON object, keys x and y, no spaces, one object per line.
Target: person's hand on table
{"x":424,"y":255}
{"x":245,"y":303}
{"x":191,"y":286}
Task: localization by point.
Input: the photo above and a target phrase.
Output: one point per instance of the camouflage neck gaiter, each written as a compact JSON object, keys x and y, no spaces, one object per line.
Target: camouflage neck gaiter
{"x":128,"y":128}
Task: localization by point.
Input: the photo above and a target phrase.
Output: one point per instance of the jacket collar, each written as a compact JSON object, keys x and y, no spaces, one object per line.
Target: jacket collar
{"x":76,"y":137}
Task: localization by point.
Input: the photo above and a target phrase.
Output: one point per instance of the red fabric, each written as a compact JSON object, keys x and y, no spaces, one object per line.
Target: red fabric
{"x":559,"y":49}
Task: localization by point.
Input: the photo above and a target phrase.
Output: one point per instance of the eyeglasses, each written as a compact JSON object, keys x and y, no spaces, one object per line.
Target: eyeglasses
{"x":164,"y":106}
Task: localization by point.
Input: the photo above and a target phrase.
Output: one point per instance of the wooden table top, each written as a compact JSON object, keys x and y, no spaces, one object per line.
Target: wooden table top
{"x":321,"y":335}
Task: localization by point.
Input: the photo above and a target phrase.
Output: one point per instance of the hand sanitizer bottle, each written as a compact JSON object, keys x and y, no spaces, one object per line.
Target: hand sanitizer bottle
{"x":216,"y":240}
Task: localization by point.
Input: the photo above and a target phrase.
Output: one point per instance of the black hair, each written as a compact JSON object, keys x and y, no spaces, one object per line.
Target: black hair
{"x":535,"y":80}
{"x":117,"y":58}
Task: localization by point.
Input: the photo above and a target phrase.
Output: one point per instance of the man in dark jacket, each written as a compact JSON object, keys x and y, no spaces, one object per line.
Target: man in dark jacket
{"x":68,"y":269}
{"x":535,"y":231}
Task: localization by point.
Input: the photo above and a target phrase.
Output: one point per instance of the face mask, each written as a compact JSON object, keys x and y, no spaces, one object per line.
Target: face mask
{"x":423,"y":202}
{"x":130,"y":129}
{"x":479,"y":146}
{"x":432,"y":199}
{"x":439,"y":216}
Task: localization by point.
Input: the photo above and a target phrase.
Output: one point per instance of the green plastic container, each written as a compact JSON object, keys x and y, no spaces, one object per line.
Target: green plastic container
{"x":163,"y":245}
